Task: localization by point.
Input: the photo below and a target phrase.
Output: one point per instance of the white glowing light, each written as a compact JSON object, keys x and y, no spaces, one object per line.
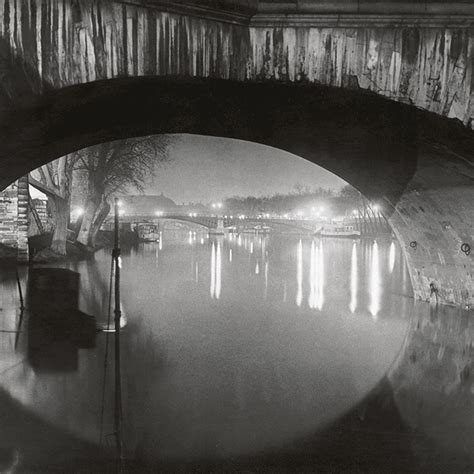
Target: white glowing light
{"x":391,"y":257}
{"x":216,"y":271}
{"x":213,"y":270}
{"x":354,"y":279}
{"x":375,"y":289}
{"x":316,"y":277}
{"x":299,"y":273}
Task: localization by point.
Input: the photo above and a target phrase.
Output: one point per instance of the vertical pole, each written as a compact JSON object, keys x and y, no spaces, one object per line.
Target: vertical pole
{"x":117,"y":313}
{"x":20,"y":292}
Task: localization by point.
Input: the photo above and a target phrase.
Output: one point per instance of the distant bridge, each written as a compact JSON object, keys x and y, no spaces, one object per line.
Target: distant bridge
{"x":226,"y":222}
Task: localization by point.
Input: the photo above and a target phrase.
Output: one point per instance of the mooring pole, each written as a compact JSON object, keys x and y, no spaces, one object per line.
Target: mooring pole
{"x":20,"y":292}
{"x":117,"y":313}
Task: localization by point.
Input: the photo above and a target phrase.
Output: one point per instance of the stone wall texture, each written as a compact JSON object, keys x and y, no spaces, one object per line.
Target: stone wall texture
{"x":68,"y":42}
{"x":14,"y":221}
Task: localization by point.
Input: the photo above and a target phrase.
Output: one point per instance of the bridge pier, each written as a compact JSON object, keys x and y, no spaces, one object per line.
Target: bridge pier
{"x":14,"y":221}
{"x":433,"y":221}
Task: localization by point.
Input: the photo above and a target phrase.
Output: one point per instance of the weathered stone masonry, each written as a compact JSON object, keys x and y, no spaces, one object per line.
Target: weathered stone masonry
{"x":426,"y":62}
{"x":14,"y":220}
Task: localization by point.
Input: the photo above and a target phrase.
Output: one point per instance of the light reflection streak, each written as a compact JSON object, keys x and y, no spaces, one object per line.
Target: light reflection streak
{"x":375,"y":289}
{"x":257,"y":269}
{"x":391,"y":257}
{"x":251,"y":247}
{"x":230,"y":255}
{"x":299,"y":273}
{"x":321,"y":276}
{"x":316,"y":277}
{"x":213,"y":270}
{"x":218,"y":271}
{"x":160,"y":245}
{"x":354,"y":279}
{"x":239,"y":240}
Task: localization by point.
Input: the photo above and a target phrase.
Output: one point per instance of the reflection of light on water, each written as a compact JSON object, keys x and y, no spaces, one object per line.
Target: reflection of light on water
{"x":312,"y":272}
{"x":218,"y":271}
{"x":391,"y":257}
{"x":190,"y":238}
{"x":251,"y":247}
{"x":354,"y":282}
{"x":213,"y":270}
{"x":202,"y":240}
{"x":316,"y":277}
{"x":239,"y":240}
{"x":375,"y":290}
{"x":257,"y":269}
{"x":321,"y":276}
{"x":299,"y":273}
{"x":230,"y":255}
{"x":160,"y":245}
{"x":196,"y":272}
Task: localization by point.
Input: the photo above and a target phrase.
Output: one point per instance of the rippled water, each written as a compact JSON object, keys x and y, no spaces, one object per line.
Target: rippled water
{"x":233,"y":344}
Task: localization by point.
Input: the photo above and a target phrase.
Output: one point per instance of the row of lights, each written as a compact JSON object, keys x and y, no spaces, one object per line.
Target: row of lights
{"x":218,"y":205}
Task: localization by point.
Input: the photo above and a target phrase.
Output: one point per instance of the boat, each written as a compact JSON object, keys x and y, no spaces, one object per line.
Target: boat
{"x":147,"y":232}
{"x":344,"y":231}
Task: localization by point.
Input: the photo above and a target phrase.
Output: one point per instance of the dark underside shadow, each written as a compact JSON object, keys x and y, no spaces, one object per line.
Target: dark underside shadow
{"x":370,"y":438}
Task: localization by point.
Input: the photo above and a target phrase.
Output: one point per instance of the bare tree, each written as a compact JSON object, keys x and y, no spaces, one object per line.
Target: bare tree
{"x":116,"y":167}
{"x":55,"y":180}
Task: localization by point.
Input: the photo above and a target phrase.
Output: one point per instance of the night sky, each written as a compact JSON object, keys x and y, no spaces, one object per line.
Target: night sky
{"x":206,"y":169}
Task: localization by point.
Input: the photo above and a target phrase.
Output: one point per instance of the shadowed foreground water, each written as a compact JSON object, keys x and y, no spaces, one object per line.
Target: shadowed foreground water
{"x":236,"y":347}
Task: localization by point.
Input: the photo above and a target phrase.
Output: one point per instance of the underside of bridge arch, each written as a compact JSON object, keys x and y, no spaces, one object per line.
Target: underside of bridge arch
{"x":419,"y":166}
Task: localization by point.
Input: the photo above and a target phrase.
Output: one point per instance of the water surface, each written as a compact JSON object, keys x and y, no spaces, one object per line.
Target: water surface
{"x":233,"y":344}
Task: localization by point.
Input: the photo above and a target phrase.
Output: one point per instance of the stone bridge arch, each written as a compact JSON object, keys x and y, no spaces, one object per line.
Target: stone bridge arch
{"x":419,"y":166}
{"x":60,"y":62}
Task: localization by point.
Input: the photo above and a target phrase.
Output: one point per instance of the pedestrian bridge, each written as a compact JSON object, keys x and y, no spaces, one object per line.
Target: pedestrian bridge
{"x":380,"y":93}
{"x":226,"y":222}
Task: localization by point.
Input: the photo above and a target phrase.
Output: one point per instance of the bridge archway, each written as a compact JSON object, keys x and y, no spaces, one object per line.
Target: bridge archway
{"x":417,"y":164}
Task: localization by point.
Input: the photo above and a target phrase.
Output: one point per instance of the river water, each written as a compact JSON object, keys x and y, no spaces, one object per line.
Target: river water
{"x":231,"y":344}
